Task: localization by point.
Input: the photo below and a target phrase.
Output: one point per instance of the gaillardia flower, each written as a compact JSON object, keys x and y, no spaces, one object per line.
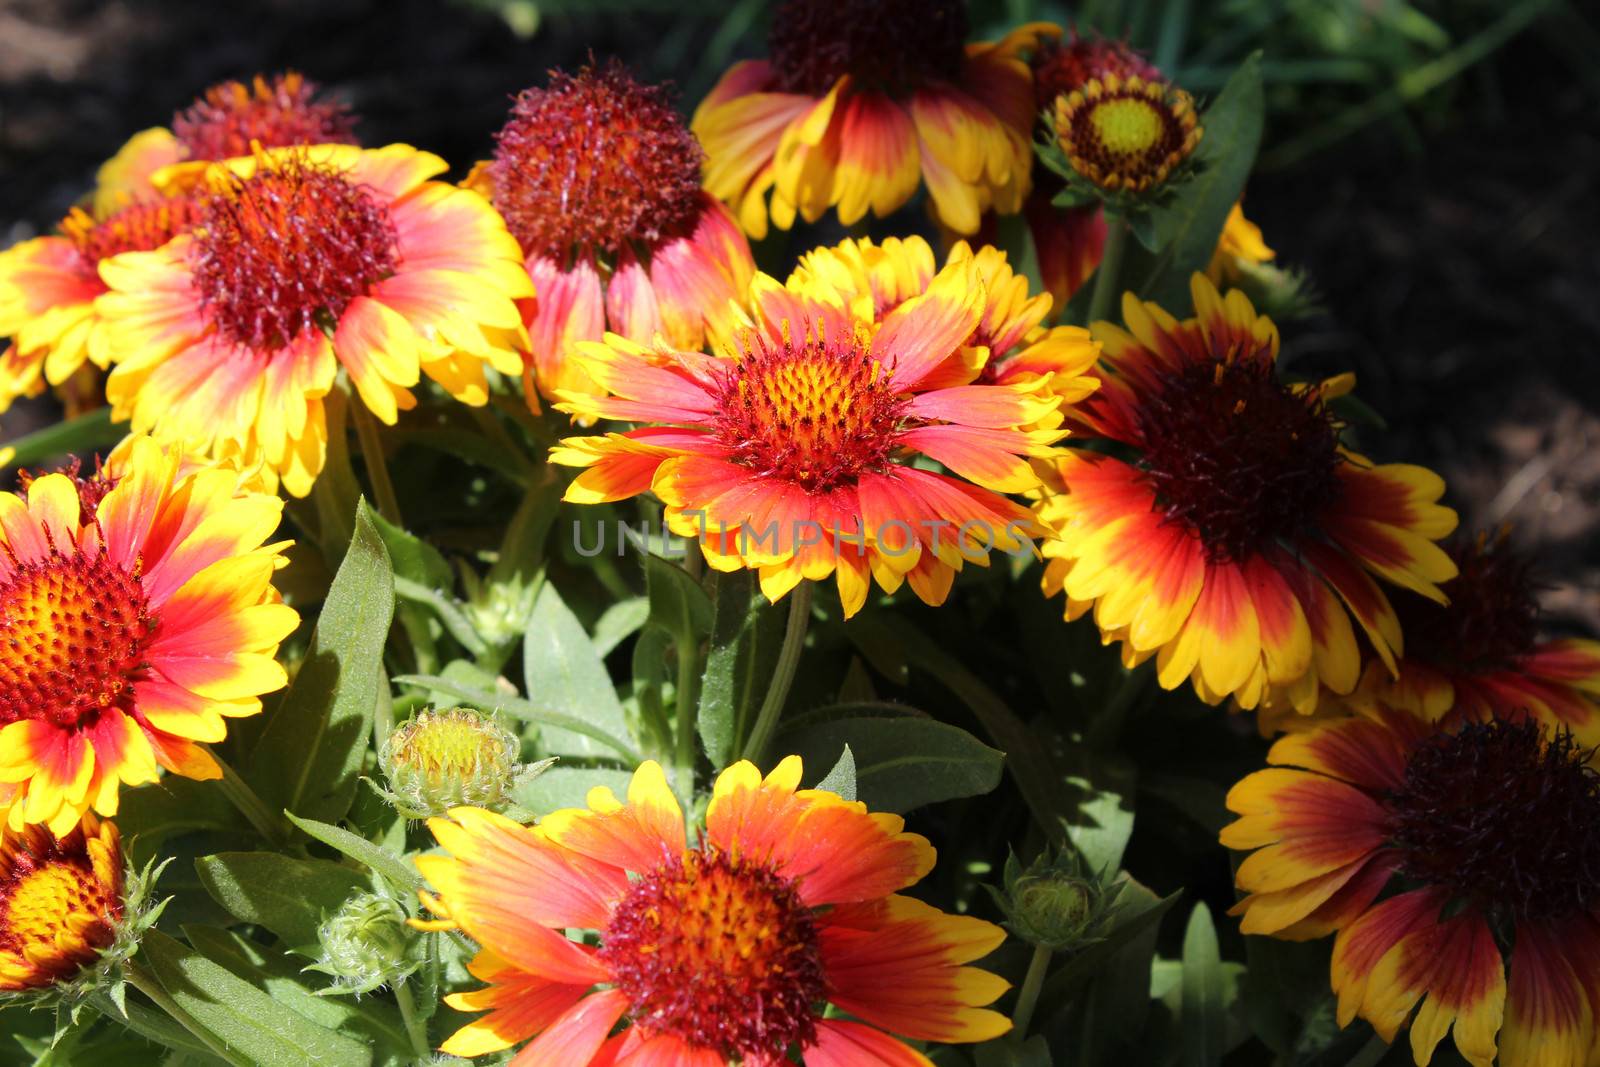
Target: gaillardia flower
{"x":303,"y":261}
{"x":787,"y":451}
{"x":48,"y":287}
{"x":1010,"y":345}
{"x":599,"y":181}
{"x":1069,"y":240}
{"x":858,"y":104}
{"x":61,"y":903}
{"x":139,"y":615}
{"x":726,"y":950}
{"x":229,"y":119}
{"x":1125,"y":137}
{"x":1483,"y":842}
{"x":1481,"y":656}
{"x":1232,"y":536}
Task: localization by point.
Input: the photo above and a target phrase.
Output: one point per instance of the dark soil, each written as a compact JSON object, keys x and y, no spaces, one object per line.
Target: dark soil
{"x":1462,"y":278}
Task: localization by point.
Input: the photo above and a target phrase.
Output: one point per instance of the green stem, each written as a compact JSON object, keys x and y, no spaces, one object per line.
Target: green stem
{"x":794,"y":640}
{"x":416,"y":1029}
{"x":146,"y":983}
{"x":272,"y":827}
{"x":377,"y":466}
{"x":688,"y":668}
{"x":1105,"y":279}
{"x":1028,"y":996}
{"x":449,"y":614}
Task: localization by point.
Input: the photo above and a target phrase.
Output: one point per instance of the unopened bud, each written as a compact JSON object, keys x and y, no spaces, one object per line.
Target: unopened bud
{"x":366,"y":944}
{"x":1054,"y":903}
{"x":442,"y":759}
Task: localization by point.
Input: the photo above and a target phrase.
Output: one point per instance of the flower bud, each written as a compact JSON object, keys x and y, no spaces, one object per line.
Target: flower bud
{"x":70,"y":913}
{"x":442,"y":759}
{"x":365,"y":945}
{"x":1053,"y":902}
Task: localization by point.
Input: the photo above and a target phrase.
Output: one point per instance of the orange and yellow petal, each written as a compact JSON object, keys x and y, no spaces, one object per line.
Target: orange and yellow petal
{"x":834,"y":850}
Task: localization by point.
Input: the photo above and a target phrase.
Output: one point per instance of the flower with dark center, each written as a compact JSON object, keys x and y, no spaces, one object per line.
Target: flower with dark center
{"x":1126,"y":137}
{"x":231,"y":118}
{"x":48,"y":287}
{"x":790,"y":450}
{"x":137,"y":615}
{"x":861,"y":103}
{"x":306,"y":261}
{"x":599,"y":180}
{"x":1230,"y":534}
{"x":1063,"y":67}
{"x":1460,"y":864}
{"x":1482,"y":655}
{"x":746,"y":948}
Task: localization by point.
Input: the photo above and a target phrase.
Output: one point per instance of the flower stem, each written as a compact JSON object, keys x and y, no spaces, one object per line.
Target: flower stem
{"x":1028,"y":996}
{"x":416,"y":1029}
{"x":1105,"y":279}
{"x":377,"y":466}
{"x":146,"y":983}
{"x":794,"y":640}
{"x":250,"y":805}
{"x":688,"y":667}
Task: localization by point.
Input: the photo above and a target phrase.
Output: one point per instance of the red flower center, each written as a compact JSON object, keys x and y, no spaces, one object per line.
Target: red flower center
{"x":1504,"y":817}
{"x":595,"y":161}
{"x":1492,"y":619}
{"x":1237,"y":456}
{"x":286,"y":250}
{"x":893,"y":45}
{"x":721,"y":953}
{"x":75,"y":627}
{"x":1060,"y":68}
{"x":818,"y":413}
{"x":222,"y":122}
{"x":140,"y":227}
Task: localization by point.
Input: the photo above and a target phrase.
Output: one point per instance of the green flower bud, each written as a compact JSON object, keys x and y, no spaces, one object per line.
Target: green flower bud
{"x":366,"y":944}
{"x":1054,"y":903}
{"x":442,"y":759}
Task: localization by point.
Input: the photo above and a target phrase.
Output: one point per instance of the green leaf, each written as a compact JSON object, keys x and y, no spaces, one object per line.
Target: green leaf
{"x":150,"y":813}
{"x":1026,"y":759}
{"x":1099,"y":788}
{"x":677,"y":603}
{"x":619,"y":622}
{"x":1204,"y":1013}
{"x":564,"y":674}
{"x":746,"y":636}
{"x":520,"y":709}
{"x":86,"y":433}
{"x":395,"y":870}
{"x":842,"y":779}
{"x":155,"y":1025}
{"x":290,"y":897}
{"x":247,"y":1020}
{"x":413,"y":557}
{"x":1187,"y":227}
{"x":902,"y":762}
{"x":567,"y":787}
{"x":309,"y":755}
{"x":283,"y":977}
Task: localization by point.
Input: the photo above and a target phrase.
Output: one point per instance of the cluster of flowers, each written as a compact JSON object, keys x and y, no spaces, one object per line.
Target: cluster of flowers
{"x":228,"y":274}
